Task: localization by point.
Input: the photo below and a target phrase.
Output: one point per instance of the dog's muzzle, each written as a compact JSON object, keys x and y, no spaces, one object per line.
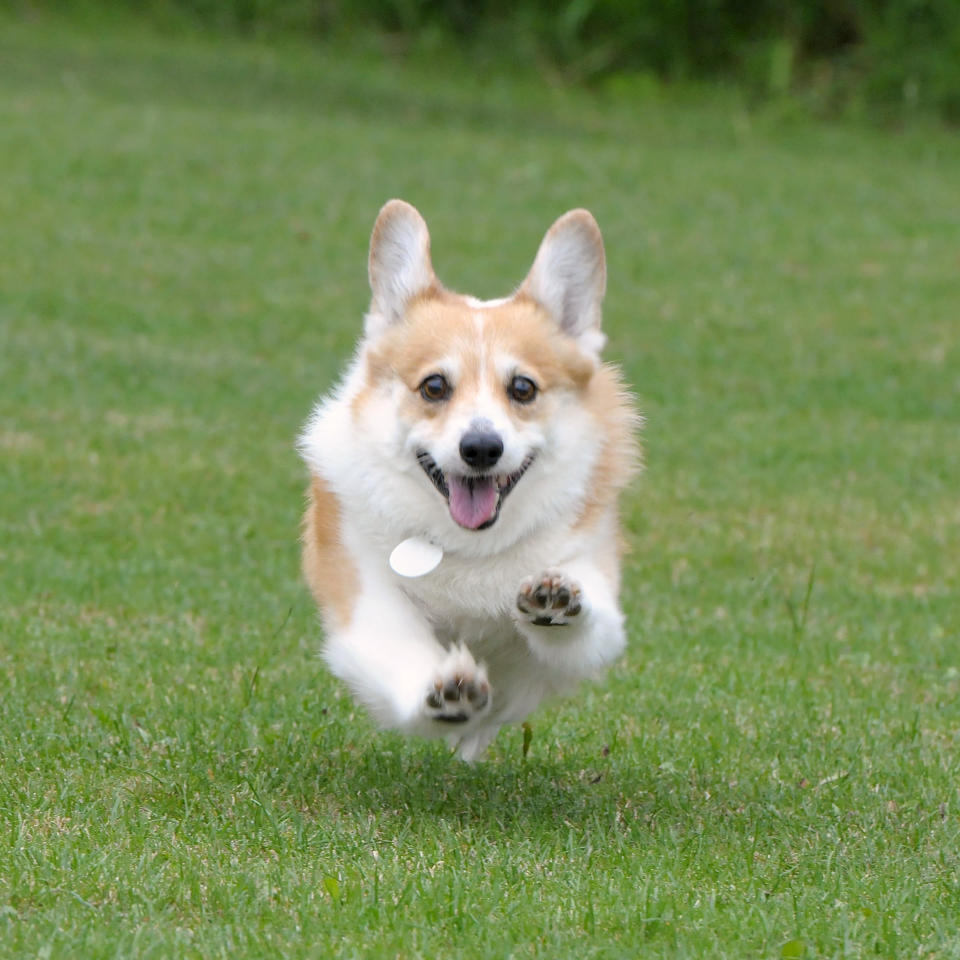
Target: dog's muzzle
{"x":474,"y":500}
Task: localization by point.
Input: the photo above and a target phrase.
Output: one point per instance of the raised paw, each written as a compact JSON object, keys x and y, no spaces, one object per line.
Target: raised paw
{"x":550,"y":600}
{"x":460,"y":690}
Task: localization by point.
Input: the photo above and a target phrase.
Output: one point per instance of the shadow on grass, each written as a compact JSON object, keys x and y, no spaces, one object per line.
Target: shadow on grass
{"x":627,"y":791}
{"x":512,"y":794}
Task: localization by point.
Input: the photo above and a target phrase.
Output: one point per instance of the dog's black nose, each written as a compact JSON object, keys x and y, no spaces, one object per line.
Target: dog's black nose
{"x":481,"y":449}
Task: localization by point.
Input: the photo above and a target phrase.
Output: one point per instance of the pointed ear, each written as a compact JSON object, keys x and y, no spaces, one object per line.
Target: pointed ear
{"x":399,"y":263}
{"x":569,"y":277}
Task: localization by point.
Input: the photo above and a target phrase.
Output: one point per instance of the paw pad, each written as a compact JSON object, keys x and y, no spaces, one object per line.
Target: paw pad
{"x":459,"y":692}
{"x":550,"y":600}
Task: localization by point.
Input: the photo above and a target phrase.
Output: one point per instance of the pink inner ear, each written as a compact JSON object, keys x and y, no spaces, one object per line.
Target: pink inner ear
{"x":473,"y":502}
{"x":568,"y":276}
{"x":399,"y":264}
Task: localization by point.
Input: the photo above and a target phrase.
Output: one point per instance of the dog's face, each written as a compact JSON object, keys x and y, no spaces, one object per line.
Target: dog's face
{"x":483,"y":403}
{"x":476,"y":392}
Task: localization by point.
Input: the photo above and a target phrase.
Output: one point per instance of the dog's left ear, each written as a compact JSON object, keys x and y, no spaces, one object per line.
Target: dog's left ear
{"x":569,"y":277}
{"x":399,"y":265}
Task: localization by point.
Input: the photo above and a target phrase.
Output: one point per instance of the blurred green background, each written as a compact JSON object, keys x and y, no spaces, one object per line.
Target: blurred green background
{"x":888,"y":56}
{"x":186,"y":197}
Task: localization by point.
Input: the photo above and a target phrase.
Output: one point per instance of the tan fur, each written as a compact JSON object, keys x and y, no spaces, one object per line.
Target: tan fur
{"x":327,"y":567}
{"x":441,"y":324}
{"x":611,"y":406}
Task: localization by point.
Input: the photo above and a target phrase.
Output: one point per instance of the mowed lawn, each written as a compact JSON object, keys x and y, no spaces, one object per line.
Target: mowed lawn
{"x":772,"y":770}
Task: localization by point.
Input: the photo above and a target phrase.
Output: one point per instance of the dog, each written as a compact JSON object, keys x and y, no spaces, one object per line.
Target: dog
{"x":461,"y":536}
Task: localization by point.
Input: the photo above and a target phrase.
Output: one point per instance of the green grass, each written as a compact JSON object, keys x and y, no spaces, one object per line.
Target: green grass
{"x":771,"y":771}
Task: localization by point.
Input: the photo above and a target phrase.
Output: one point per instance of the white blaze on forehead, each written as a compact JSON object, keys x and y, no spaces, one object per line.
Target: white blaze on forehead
{"x":477,"y":302}
{"x":478,"y":322}
{"x":485,"y":389}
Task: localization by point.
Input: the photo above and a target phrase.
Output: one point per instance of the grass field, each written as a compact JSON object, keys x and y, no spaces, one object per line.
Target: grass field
{"x":772,"y":771}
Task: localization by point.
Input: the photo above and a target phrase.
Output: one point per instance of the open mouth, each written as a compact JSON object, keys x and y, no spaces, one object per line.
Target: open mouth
{"x":474,"y":499}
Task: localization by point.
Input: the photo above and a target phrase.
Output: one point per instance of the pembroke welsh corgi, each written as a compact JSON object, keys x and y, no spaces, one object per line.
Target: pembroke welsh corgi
{"x":462,"y":535}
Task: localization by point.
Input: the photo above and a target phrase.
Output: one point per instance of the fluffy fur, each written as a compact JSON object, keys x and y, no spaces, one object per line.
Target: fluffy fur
{"x":434,"y":432}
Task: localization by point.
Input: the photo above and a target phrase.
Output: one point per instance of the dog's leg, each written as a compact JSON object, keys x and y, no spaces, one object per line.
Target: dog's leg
{"x":571,"y":620}
{"x":391,"y":660}
{"x":472,"y":746}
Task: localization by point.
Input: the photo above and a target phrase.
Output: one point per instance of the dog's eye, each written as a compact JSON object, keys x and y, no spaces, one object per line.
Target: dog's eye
{"x":434,"y":388}
{"x":522,"y":389}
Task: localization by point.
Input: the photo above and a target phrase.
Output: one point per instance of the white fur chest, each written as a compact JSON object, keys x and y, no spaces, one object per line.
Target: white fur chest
{"x":484,"y":587}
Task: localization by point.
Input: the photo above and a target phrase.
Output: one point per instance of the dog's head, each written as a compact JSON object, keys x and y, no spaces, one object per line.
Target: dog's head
{"x":484,"y":401}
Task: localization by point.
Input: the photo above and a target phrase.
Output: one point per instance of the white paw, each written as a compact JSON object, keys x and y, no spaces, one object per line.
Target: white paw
{"x":460,"y":691}
{"x":550,"y":600}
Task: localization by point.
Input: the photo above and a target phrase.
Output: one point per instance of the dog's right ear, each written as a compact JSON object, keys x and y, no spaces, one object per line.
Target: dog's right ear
{"x":399,"y":266}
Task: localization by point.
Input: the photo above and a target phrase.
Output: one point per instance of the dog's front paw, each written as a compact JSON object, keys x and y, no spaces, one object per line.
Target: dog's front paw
{"x":460,"y":690}
{"x":550,"y":600}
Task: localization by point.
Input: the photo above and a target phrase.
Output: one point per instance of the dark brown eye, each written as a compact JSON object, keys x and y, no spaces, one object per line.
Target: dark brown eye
{"x":522,"y":389}
{"x":434,"y":388}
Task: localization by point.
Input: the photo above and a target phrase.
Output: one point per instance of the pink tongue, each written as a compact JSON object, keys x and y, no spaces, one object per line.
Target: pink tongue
{"x":472,"y":502}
